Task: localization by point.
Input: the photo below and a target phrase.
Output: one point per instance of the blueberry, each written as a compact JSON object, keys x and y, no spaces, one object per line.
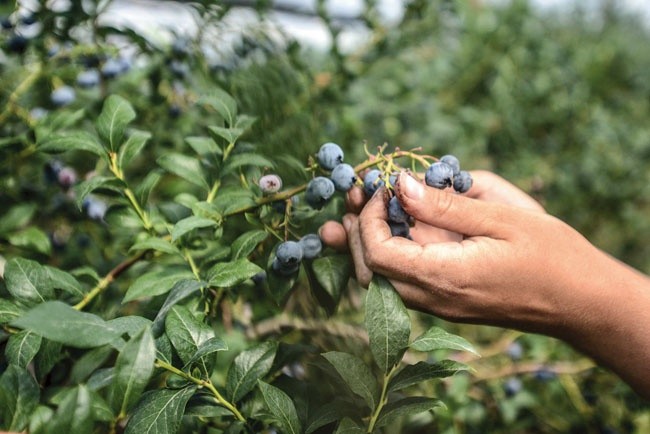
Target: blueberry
{"x":392,"y":179}
{"x":398,"y":229}
{"x":179,"y":68}
{"x":512,"y":386}
{"x":38,"y":113}
{"x":112,"y":68}
{"x":287,"y":259}
{"x":311,"y":246}
{"x":17,"y":44}
{"x":51,"y":171}
{"x":452,"y":161}
{"x":372,"y":182}
{"x":319,"y":191}
{"x":28,"y":20}
{"x":174,"y":111}
{"x":94,"y":208}
{"x":62,"y":96}
{"x":66,"y":177}
{"x":544,"y":374}
{"x":6,"y":23}
{"x":88,"y":78}
{"x":259,"y":278}
{"x":180,"y":47}
{"x":439,"y":175}
{"x":395,"y":211}
{"x":270,"y":184}
{"x":91,"y":60}
{"x":343,"y":177}
{"x":330,"y":155}
{"x":463,"y":182}
{"x":280,"y":206}
{"x":515,"y":351}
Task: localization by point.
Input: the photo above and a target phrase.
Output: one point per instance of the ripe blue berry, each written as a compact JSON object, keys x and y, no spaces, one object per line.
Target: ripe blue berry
{"x":452,"y":161}
{"x":112,"y":68}
{"x":395,"y":211}
{"x":17,"y":44}
{"x":88,"y":78}
{"x":439,"y":175}
{"x":94,"y":208}
{"x":259,"y":278}
{"x":311,"y":246}
{"x":544,"y":374}
{"x":372,"y":182}
{"x":287,"y":259}
{"x":398,"y":229}
{"x":270,"y":184}
{"x":343,"y":177}
{"x":512,"y":386}
{"x":319,"y":191}
{"x":62,"y":96}
{"x":515,"y":351}
{"x":52,"y":170}
{"x":330,"y":155}
{"x":179,"y":68}
{"x":463,"y":182}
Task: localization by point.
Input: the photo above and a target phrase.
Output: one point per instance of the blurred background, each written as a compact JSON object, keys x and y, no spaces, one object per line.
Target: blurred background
{"x":552,"y":95}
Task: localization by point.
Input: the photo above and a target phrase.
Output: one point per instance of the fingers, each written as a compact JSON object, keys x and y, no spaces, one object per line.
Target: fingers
{"x":355,"y":200}
{"x":454,"y":212}
{"x":490,"y":187}
{"x":363,"y":273}
{"x":333,"y":235}
{"x":398,"y":257}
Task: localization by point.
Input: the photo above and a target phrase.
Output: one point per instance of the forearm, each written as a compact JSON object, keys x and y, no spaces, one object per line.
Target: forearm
{"x":613,"y":323}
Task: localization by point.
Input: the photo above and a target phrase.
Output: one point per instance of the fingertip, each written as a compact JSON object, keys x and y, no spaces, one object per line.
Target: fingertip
{"x":355,"y":199}
{"x":334,"y":235}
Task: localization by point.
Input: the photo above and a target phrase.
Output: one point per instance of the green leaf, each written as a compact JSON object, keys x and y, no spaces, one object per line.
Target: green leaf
{"x":186,"y":332}
{"x":222,"y":102}
{"x":188,"y":224}
{"x":39,"y":420}
{"x":19,"y":396}
{"x":155,"y":283}
{"x":17,"y":217}
{"x":329,"y":276}
{"x":246,"y":159}
{"x":227,"y":274}
{"x":60,"y":279}
{"x":31,"y":238}
{"x":159,"y":411}
{"x":133,"y":369}
{"x":387,"y":322}
{"x":131,"y":325}
{"x":155,"y":243}
{"x":27,"y":281}
{"x":9,"y":311}
{"x":248,"y":367}
{"x":91,"y":361}
{"x":180,"y":291}
{"x":72,"y":141}
{"x":423,"y":371}
{"x":188,"y":168}
{"x":244,"y":122}
{"x":406,"y":407}
{"x":146,"y":186}
{"x":22,"y":347}
{"x":61,"y":323}
{"x":116,"y":114}
{"x":281,"y":407}
{"x":230,"y":135}
{"x":57,"y":120}
{"x":132,"y":147}
{"x":48,"y":356}
{"x":356,"y":375}
{"x":204,"y":145}
{"x":84,"y":188}
{"x":348,"y":426}
{"x":207,"y":348}
{"x":74,"y":415}
{"x":247,"y":242}
{"x":233,"y":200}
{"x":438,"y":339}
{"x":328,"y":413}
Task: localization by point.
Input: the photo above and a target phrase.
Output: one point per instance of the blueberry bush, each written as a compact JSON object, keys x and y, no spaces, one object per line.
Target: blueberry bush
{"x":160,"y":262}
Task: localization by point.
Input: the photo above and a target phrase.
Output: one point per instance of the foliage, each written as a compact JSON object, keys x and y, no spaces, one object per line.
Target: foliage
{"x":137,"y":291}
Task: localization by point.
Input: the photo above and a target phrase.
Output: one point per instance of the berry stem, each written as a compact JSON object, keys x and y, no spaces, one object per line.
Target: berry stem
{"x":382,"y":400}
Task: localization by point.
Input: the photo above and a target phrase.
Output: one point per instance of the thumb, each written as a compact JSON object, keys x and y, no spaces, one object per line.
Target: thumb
{"x":452,"y":211}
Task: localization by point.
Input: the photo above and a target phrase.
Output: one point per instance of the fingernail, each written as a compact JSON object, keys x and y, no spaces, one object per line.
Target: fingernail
{"x":410,"y":187}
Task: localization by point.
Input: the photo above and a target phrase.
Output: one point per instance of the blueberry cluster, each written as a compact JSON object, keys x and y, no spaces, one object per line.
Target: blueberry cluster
{"x":290,"y":254}
{"x":446,"y":173}
{"x":342,"y":176}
